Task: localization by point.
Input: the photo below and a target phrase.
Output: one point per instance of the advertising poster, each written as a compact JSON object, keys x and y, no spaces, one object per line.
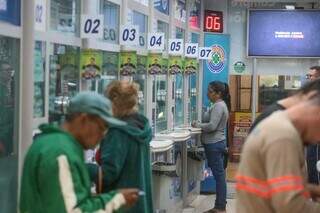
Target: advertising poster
{"x":180,"y":10}
{"x":191,"y":65}
{"x":214,"y":69}
{"x":128,"y":63}
{"x":175,"y":64}
{"x":91,"y":63}
{"x":110,"y":64}
{"x":217,"y":67}
{"x":154,"y":63}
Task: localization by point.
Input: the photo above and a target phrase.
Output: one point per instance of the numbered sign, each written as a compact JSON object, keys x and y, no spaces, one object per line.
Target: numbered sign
{"x":129,"y":35}
{"x":91,"y":26}
{"x":156,"y":41}
{"x":40,"y":15}
{"x":205,"y":53}
{"x":191,"y":50}
{"x":175,"y":47}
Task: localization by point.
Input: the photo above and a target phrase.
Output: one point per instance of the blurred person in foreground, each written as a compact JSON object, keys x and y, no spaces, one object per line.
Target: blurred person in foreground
{"x":272,"y":175}
{"x":55,"y":178}
{"x":124,"y":154}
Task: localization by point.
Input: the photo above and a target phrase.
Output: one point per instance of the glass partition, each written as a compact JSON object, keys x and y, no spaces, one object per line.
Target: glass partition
{"x":111,"y":13}
{"x":179,"y":105}
{"x":65,"y":16}
{"x":64,"y":78}
{"x":140,"y":78}
{"x":110,"y":63}
{"x":141,"y":20}
{"x":9,"y":128}
{"x":39,"y":79}
{"x":161,"y":102}
{"x":193,"y":114}
{"x":163,"y":27}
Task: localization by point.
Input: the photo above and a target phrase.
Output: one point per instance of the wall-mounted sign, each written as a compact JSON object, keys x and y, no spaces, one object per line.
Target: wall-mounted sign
{"x":176,"y":47}
{"x":191,"y":50}
{"x":205,"y":53}
{"x":156,"y":41}
{"x":129,"y":35}
{"x":40,"y":15}
{"x":91,"y":26}
{"x":213,"y":21}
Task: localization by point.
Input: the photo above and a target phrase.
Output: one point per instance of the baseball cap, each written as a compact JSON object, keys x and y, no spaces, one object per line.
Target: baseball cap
{"x":94,"y":104}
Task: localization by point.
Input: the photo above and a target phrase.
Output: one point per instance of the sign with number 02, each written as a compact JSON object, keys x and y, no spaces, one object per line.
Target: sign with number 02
{"x":129,"y":35}
{"x":91,"y":26}
{"x":175,"y":47}
{"x":40,"y":15}
{"x":155,"y":41}
{"x":191,"y":50}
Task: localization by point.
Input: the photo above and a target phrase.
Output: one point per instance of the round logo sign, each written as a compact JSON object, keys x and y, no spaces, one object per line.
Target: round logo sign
{"x":218,"y":58}
{"x":239,"y":67}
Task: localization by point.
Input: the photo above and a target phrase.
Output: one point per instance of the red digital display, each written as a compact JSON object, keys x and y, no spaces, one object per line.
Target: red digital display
{"x":213,"y":21}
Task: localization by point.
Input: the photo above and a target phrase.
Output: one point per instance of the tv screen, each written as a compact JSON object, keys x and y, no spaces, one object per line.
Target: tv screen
{"x":284,"y":33}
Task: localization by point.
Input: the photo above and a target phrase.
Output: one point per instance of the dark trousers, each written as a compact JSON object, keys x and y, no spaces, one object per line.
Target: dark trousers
{"x":312,"y":159}
{"x":215,"y":157}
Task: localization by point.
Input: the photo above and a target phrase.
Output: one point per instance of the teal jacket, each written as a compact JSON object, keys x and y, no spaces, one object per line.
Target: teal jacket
{"x":125,"y":160}
{"x":55,"y":178}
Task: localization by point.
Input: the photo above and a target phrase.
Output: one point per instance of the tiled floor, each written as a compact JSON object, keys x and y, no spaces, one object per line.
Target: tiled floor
{"x":204,"y":203}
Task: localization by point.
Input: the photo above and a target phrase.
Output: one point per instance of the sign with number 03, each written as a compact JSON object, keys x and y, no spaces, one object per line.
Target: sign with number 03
{"x":129,"y":35}
{"x":176,"y":47}
{"x":156,"y":41}
{"x":191,"y":50}
{"x":91,"y":26}
{"x":205,"y":53}
{"x":40,"y":15}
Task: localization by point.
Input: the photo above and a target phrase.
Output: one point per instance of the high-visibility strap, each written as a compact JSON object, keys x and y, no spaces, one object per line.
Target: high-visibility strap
{"x":270,"y":187}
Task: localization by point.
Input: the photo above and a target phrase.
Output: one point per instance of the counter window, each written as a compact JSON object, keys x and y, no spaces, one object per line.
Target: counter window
{"x":111,"y":13}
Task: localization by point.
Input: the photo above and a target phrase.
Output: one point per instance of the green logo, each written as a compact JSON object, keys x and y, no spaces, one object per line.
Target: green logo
{"x":239,"y":67}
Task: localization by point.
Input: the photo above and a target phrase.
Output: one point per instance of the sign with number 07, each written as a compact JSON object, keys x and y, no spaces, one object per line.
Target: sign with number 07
{"x":155,"y":41}
{"x":129,"y":35}
{"x":205,"y":53}
{"x":91,"y":26}
{"x":191,"y":50}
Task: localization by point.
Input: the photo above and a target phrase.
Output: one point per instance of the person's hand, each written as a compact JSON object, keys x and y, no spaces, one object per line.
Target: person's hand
{"x":130,"y":195}
{"x":314,"y":192}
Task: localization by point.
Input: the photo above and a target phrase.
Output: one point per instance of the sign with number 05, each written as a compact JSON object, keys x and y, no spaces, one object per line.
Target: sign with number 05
{"x":129,"y":35}
{"x":191,"y":50}
{"x":204,"y":53}
{"x":91,"y":26}
{"x":176,"y":47}
{"x":155,"y":41}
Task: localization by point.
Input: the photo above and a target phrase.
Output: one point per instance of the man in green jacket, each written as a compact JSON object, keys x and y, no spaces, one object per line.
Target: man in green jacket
{"x":55,"y":178}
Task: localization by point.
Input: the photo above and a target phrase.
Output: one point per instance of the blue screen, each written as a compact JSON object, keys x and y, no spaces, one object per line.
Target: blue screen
{"x":284,"y":33}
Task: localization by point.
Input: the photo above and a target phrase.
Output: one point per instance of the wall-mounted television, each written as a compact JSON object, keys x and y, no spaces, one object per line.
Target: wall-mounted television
{"x":283,"y":33}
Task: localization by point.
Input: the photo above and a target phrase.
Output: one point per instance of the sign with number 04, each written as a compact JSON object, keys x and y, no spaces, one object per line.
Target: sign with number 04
{"x":129,"y":35}
{"x":176,"y":47}
{"x":191,"y":50}
{"x":91,"y":26}
{"x":156,"y":41}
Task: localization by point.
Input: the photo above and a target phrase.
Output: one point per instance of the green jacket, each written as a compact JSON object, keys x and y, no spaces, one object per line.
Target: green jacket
{"x":55,"y":178}
{"x":125,"y":160}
